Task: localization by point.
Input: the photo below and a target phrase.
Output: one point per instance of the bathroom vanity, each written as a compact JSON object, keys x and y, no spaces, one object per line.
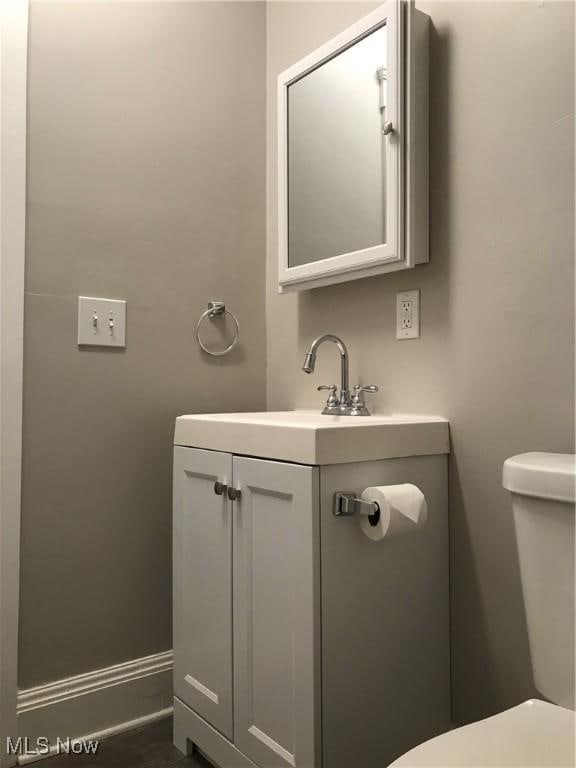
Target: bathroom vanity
{"x":298,"y":640}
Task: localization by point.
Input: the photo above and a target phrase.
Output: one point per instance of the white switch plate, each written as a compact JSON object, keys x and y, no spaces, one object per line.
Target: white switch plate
{"x":101,"y":322}
{"x":408,"y":315}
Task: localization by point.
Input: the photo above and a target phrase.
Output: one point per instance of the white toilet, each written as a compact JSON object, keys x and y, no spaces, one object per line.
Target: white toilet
{"x":536,"y":733}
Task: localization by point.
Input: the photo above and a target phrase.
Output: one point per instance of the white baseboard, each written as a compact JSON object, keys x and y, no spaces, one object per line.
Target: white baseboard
{"x":96,"y":704}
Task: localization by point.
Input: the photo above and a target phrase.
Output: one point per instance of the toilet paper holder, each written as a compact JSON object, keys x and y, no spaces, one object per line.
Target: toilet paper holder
{"x":346,"y":504}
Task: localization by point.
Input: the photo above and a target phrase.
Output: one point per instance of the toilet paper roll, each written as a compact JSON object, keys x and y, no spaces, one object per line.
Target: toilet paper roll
{"x":403,"y":509}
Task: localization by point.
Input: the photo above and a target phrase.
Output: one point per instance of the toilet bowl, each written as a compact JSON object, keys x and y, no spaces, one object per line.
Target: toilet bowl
{"x":534,"y":734}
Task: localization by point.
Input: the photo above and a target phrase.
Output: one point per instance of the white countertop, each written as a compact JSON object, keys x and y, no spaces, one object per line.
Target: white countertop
{"x":308,"y":437}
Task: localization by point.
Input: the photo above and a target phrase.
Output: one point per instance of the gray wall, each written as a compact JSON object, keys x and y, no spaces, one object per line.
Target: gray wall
{"x":145,"y":182}
{"x":496,"y":353}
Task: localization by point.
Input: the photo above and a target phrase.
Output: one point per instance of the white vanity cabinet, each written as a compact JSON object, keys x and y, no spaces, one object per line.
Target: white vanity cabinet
{"x":203,"y":586}
{"x":275,"y":624}
{"x":298,"y":641}
{"x":245,"y":585}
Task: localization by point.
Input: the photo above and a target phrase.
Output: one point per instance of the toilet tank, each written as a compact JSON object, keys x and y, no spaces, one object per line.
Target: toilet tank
{"x":543,"y":493}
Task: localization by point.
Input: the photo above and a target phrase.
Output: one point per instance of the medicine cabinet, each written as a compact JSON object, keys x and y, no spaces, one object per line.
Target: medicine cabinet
{"x":353,"y":153}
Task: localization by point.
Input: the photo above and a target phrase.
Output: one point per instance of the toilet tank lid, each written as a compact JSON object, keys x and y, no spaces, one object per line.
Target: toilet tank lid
{"x":544,"y":475}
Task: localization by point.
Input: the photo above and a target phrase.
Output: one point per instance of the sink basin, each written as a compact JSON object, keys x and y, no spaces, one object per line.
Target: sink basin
{"x":308,"y":437}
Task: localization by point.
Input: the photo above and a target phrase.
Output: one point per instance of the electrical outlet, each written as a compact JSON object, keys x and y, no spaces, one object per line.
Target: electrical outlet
{"x":408,"y":315}
{"x":101,"y":322}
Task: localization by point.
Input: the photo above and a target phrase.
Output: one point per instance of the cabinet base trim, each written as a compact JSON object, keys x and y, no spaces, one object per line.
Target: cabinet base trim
{"x":193,"y":734}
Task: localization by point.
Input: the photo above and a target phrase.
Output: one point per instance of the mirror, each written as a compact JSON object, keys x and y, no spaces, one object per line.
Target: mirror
{"x":353,"y":153}
{"x":337,"y":154}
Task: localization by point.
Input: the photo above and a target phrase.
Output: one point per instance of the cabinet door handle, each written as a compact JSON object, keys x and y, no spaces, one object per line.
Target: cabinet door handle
{"x":234,"y":494}
{"x":220,"y":488}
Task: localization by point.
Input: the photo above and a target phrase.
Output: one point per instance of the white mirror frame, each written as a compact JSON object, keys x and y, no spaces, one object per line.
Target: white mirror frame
{"x":406,"y":152}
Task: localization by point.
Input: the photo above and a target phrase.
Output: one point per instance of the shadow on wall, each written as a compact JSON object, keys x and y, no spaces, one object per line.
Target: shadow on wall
{"x":468,"y":628}
{"x":478,"y":684}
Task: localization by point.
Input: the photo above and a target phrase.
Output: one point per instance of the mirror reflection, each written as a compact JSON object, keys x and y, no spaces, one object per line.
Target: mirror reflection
{"x":336,"y":154}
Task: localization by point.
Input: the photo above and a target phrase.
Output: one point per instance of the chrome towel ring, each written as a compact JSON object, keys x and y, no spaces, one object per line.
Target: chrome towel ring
{"x":217,"y":309}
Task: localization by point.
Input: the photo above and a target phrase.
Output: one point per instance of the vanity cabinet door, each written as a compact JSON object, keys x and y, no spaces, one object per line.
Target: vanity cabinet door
{"x":276,"y":616}
{"x":203,"y":585}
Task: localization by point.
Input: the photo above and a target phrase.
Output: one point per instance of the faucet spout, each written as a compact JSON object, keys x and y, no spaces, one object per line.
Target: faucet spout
{"x":310,"y":363}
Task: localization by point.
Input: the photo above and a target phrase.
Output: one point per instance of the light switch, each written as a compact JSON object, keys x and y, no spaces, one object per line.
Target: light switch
{"x":101,"y":322}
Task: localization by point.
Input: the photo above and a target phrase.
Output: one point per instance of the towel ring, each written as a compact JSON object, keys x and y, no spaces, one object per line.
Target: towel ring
{"x":217,"y":309}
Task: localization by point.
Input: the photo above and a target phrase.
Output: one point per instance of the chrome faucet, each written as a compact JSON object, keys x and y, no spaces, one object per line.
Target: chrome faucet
{"x":343,"y":404}
{"x":335,"y":405}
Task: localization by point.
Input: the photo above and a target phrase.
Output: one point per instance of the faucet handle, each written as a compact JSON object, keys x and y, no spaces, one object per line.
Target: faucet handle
{"x":333,"y":403}
{"x":357,"y":405}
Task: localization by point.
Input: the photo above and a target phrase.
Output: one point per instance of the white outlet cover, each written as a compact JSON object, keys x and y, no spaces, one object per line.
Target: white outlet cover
{"x":101,"y":322}
{"x":413,"y":313}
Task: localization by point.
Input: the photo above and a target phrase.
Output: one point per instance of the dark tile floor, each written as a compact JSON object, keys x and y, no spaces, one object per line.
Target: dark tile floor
{"x":147,"y":747}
